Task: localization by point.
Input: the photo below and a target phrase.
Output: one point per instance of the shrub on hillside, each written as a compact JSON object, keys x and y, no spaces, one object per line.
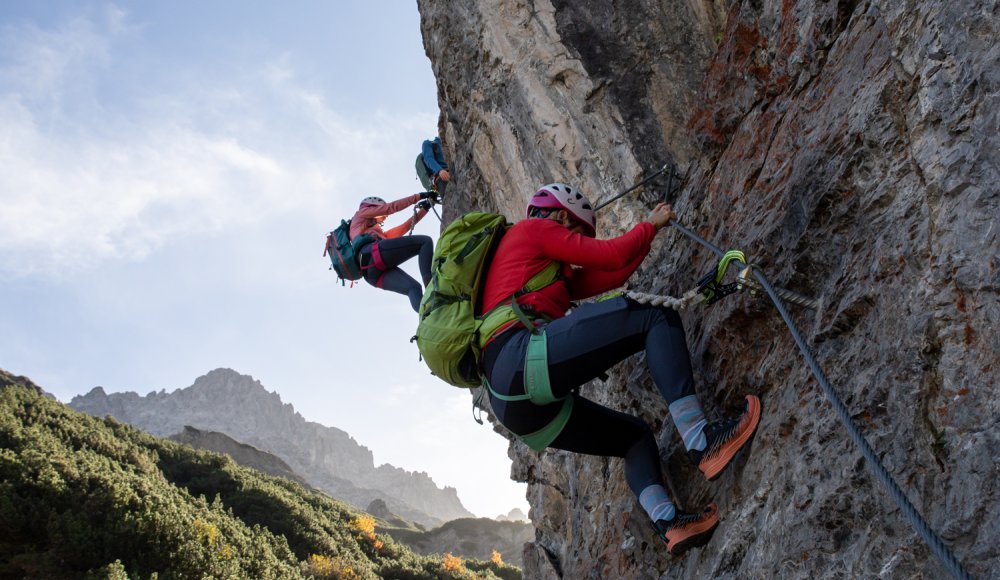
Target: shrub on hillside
{"x":83,"y":498}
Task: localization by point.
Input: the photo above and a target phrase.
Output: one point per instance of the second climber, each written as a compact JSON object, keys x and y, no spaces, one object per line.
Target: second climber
{"x":381,"y":257}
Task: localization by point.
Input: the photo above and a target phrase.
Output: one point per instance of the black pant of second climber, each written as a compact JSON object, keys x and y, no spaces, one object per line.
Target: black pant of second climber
{"x":581,"y":346}
{"x":387,"y":275}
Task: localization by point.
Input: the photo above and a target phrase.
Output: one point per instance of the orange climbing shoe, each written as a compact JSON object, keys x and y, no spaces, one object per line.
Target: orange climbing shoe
{"x":725,"y":438}
{"x":685,"y":531}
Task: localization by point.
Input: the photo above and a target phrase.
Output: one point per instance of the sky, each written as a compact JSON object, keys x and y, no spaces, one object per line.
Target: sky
{"x":168,"y":174}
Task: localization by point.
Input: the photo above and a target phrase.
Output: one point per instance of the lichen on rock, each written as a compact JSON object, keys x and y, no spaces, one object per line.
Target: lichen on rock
{"x":851,"y":150}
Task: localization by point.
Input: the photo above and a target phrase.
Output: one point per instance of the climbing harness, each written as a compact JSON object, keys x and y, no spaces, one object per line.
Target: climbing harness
{"x":923,"y":528}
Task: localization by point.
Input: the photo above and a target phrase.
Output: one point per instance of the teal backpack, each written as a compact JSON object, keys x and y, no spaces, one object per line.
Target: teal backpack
{"x":343,"y":252}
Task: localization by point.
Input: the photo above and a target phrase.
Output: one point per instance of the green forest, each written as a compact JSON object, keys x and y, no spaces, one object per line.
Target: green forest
{"x":91,"y":499}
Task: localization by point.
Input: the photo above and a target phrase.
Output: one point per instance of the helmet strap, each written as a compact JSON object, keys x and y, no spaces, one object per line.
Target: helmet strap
{"x":544,"y":213}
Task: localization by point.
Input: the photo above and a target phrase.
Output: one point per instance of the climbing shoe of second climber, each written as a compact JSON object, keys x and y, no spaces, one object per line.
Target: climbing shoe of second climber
{"x":685,"y":531}
{"x":725,"y":438}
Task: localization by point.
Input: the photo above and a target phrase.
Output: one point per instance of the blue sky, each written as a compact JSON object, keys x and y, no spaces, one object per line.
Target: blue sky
{"x":168,"y":173}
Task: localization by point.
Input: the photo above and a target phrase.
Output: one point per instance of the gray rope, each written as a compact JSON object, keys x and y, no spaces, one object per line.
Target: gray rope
{"x":433,"y":209}
{"x":413,"y":221}
{"x":923,"y":528}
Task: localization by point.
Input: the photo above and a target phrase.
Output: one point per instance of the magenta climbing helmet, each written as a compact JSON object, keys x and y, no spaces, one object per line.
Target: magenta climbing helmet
{"x":371,"y":202}
{"x":561,"y":196}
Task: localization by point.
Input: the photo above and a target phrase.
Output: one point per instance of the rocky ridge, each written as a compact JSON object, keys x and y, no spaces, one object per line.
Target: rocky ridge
{"x":242,"y":453}
{"x":468,"y":538}
{"x":851,"y":149}
{"x":514,"y":515}
{"x":327,"y":457}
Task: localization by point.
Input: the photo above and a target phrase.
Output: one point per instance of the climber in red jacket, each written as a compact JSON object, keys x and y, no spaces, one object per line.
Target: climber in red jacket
{"x":580,"y":346}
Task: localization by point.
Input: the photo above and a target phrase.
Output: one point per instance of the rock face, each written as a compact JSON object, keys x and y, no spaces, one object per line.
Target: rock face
{"x":378,"y":509}
{"x":328,"y":458}
{"x":469,"y":538}
{"x":242,"y":453}
{"x":851,"y":149}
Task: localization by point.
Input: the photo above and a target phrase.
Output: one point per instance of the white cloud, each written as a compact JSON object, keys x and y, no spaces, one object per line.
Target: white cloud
{"x":85,"y":178}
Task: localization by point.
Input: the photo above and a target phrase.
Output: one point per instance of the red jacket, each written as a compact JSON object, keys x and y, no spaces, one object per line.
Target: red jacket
{"x":529,"y":246}
{"x":365,"y":221}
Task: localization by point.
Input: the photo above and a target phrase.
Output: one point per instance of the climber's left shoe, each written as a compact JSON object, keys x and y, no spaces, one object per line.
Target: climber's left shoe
{"x":725,"y":438}
{"x":685,"y":531}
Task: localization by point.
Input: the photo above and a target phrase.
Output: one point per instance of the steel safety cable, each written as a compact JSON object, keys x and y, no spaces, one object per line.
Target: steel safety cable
{"x":933,"y":540}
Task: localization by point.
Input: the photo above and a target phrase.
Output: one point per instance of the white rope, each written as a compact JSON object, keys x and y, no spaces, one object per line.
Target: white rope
{"x":689,"y":298}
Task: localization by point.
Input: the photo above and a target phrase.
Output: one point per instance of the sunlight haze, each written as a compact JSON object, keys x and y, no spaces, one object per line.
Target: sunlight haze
{"x":168,"y":175}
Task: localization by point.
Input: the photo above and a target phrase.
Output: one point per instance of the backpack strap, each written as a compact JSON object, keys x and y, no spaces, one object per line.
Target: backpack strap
{"x":507,"y":312}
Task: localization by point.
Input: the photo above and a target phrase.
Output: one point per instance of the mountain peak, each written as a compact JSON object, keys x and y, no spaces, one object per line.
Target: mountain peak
{"x":239,"y":406}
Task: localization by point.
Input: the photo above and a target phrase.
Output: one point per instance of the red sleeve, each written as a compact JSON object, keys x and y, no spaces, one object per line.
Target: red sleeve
{"x":389,"y":208}
{"x":610,"y":256}
{"x":405,"y":226}
{"x":588,"y":282}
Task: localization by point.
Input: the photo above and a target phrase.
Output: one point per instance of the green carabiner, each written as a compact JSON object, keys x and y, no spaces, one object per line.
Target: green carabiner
{"x":724,"y":263}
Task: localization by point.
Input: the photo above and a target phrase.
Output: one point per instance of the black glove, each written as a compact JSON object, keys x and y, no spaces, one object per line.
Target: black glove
{"x":426,"y":194}
{"x":424,"y":205}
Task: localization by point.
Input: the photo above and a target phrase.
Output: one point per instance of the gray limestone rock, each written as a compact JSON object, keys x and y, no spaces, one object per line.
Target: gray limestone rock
{"x":852,"y":150}
{"x":378,"y":509}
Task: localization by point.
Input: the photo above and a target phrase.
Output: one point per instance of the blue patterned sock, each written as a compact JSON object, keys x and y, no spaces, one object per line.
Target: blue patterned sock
{"x":656,"y":503}
{"x":690,"y":422}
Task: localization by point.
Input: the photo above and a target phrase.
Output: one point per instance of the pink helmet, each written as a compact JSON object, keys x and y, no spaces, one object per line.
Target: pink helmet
{"x":371,"y":202}
{"x":561,"y":196}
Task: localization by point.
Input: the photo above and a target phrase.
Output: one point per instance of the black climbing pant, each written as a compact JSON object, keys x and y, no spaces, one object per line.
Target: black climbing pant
{"x":581,"y":346}
{"x":394,"y":252}
{"x":440,"y":184}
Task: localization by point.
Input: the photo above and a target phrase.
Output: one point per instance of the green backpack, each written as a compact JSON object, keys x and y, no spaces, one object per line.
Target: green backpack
{"x":422,"y":174}
{"x":452,"y":329}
